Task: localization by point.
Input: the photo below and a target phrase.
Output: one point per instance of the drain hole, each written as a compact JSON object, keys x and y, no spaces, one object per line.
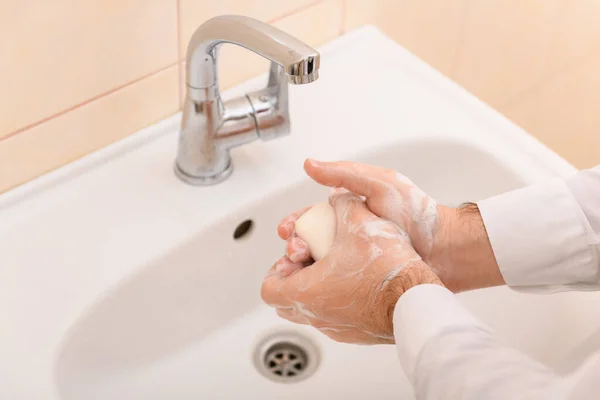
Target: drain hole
{"x":243,"y":229}
{"x":286,"y":357}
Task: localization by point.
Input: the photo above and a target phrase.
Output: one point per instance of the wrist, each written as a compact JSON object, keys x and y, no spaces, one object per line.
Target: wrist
{"x":462,"y":254}
{"x":415,"y":274}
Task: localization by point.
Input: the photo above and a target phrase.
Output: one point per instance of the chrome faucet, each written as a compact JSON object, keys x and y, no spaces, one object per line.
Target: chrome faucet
{"x":211,"y":127}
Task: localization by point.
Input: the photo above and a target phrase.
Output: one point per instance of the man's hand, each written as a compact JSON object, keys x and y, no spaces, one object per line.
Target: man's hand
{"x":350,"y":294}
{"x":453,"y":241}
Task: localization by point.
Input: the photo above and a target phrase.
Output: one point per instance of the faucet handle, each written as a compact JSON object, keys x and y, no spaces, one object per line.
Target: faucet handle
{"x":270,"y":105}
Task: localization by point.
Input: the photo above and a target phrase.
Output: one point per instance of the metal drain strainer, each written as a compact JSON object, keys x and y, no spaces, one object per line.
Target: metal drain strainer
{"x":286,"y":357}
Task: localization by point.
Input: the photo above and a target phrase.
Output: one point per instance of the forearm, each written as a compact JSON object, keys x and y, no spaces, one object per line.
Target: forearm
{"x":462,"y":255}
{"x":541,"y":238}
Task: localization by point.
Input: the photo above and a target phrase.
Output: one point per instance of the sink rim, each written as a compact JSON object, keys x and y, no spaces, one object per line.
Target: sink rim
{"x":170,"y":125}
{"x":152,"y":150}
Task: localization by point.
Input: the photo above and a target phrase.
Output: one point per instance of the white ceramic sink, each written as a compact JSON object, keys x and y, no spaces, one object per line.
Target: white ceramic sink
{"x":118,"y":281}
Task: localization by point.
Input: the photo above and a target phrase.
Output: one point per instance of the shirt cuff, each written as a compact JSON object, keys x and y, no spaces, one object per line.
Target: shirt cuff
{"x":421,"y":313}
{"x":538,"y":238}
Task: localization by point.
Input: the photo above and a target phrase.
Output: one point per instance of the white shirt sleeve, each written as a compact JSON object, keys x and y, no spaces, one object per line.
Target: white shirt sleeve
{"x":546,"y":237}
{"x":448,"y":354}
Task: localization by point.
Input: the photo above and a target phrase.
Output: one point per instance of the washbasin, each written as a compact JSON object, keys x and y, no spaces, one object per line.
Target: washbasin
{"x":118,"y":281}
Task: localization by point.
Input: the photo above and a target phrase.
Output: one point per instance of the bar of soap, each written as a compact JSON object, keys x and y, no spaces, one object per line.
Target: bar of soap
{"x":317,"y":228}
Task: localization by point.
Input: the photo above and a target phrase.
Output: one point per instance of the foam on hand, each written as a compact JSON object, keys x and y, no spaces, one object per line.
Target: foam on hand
{"x":317,"y":228}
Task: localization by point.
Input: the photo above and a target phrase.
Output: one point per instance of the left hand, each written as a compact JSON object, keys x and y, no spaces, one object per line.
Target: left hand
{"x":350,"y":294}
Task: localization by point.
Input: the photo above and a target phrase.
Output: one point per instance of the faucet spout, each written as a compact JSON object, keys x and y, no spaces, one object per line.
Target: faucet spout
{"x":299,"y":61}
{"x":211,"y":127}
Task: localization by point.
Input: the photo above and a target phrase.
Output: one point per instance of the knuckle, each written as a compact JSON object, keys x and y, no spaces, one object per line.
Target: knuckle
{"x":267,"y":293}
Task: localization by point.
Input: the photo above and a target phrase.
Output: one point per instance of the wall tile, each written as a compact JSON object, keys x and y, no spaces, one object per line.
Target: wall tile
{"x":194,"y":12}
{"x":578,"y":33}
{"x":358,"y":13}
{"x":505,"y":45}
{"x":314,"y":25}
{"x":428,"y":28}
{"x":92,"y":126}
{"x":563,"y":113}
{"x":56,"y":54}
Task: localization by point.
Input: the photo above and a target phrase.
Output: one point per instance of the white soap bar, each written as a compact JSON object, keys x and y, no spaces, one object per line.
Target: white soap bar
{"x":317,"y":228}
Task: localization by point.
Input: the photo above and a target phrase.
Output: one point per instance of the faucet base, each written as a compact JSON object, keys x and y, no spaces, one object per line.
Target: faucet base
{"x":203,"y":180}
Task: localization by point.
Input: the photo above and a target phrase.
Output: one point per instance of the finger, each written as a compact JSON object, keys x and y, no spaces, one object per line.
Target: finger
{"x":273,"y":270}
{"x":297,"y":250}
{"x":271,"y":291}
{"x":285,"y":229}
{"x":292,"y":315}
{"x":337,"y":190}
{"x":347,"y":207}
{"x":286,"y":267}
{"x":300,"y":281}
{"x":362,"y":179}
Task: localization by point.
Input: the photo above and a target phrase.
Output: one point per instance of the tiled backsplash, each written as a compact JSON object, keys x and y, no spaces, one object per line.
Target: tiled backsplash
{"x":76,"y":76}
{"x":536,"y":61}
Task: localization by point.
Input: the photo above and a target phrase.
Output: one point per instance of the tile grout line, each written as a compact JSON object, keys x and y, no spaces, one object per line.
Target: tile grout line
{"x":86,"y":102}
{"x":460,"y":38}
{"x":179,"y":74}
{"x":344,"y":6}
{"x":295,"y":11}
{"x":556,"y":29}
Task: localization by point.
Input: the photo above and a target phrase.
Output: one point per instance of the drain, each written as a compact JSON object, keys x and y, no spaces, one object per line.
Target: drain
{"x":286,"y":357}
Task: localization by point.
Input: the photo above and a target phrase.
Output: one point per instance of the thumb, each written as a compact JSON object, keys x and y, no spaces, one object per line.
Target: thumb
{"x":364,"y":180}
{"x":346,"y":205}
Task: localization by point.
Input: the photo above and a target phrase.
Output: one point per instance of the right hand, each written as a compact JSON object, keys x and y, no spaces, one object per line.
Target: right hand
{"x":453,"y":241}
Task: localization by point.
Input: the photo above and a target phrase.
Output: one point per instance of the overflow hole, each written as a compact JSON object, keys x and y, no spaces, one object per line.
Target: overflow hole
{"x":243,"y":229}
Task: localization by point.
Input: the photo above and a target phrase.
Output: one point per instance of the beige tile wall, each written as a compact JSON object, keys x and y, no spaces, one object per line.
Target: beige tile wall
{"x":76,"y":76}
{"x":537,"y":61}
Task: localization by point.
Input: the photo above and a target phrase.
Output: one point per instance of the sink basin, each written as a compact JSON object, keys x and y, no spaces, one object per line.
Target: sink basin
{"x":118,"y":281}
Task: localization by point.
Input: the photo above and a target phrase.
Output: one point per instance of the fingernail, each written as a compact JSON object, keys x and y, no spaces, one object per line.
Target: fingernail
{"x":285,"y":230}
{"x":314,"y":162}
